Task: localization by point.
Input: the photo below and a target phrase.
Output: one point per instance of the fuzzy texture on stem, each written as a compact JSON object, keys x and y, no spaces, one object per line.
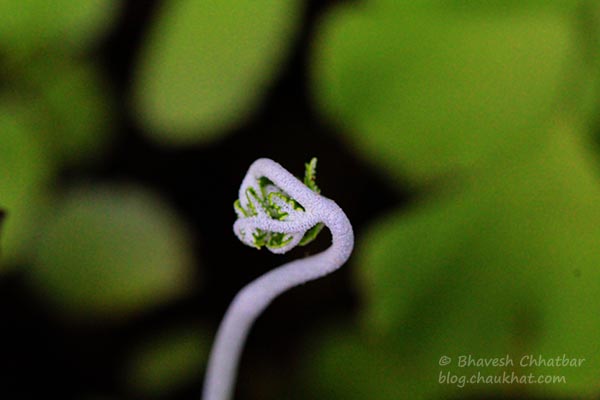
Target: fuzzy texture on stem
{"x":296,"y":217}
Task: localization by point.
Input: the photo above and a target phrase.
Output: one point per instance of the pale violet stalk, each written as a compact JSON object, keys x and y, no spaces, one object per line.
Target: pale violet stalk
{"x":276,"y":210}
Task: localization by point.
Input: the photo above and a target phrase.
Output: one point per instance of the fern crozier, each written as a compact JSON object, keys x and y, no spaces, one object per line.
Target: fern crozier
{"x":280,"y":212}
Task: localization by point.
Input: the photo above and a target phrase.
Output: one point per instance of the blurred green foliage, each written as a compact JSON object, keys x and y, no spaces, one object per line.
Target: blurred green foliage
{"x":92,"y":252}
{"x":34,"y":25}
{"x":502,"y":259}
{"x":508,"y":265}
{"x":73,"y":105}
{"x":206,"y":65}
{"x":55,"y":107}
{"x":53,"y":114}
{"x":108,"y":252}
{"x":444,"y":87}
{"x":25,"y":169}
{"x":163,"y":363}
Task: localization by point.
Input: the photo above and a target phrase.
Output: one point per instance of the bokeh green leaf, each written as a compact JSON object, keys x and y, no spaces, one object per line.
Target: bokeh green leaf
{"x":25,"y":172}
{"x":112,"y":251}
{"x":31,"y":25}
{"x":73,"y":107}
{"x":431,"y":89}
{"x":207,"y":64}
{"x":506,"y":265}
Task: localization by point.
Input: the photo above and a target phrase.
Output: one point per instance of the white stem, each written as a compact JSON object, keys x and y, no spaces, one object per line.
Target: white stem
{"x":250,"y":302}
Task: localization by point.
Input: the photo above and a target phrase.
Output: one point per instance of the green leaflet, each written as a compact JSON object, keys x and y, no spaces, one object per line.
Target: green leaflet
{"x":310,"y":175}
{"x":267,"y":201}
{"x":311,"y":234}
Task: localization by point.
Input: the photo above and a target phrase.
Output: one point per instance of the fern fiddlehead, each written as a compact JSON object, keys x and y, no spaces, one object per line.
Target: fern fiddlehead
{"x":277,"y":211}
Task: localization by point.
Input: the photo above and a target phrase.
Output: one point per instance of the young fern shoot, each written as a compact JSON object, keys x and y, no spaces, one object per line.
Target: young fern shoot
{"x":278,"y":211}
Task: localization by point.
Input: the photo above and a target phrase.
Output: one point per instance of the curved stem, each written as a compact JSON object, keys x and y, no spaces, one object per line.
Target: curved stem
{"x":256,"y":296}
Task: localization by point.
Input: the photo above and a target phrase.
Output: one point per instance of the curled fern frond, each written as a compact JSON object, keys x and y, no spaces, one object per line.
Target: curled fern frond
{"x":262,"y":200}
{"x":278,"y":211}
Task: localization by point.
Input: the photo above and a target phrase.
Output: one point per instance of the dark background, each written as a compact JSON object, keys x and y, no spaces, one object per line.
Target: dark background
{"x":51,"y":357}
